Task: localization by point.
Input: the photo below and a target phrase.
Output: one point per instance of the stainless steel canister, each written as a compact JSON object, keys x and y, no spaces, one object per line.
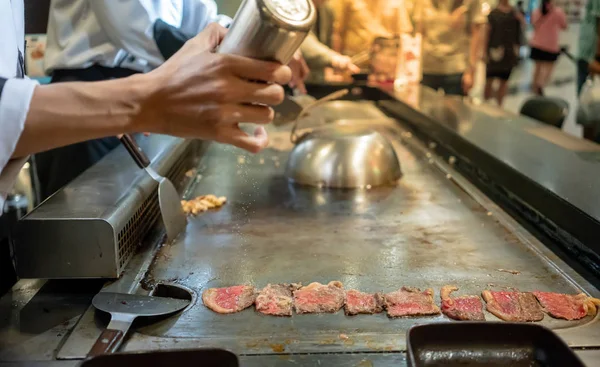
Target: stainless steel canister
{"x":271,"y":30}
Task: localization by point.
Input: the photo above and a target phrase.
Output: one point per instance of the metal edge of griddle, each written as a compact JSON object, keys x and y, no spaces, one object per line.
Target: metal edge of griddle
{"x":572,"y":227}
{"x":583,"y":337}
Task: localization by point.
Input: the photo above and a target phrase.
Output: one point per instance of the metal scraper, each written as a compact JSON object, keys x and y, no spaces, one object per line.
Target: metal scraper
{"x":124,"y":309}
{"x":169,"y":201}
{"x":290,"y":108}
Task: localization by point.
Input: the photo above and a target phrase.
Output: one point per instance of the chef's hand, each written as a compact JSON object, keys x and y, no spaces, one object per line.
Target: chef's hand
{"x":201,"y":94}
{"x":468,"y":80}
{"x":300,"y":71}
{"x":344,"y":63}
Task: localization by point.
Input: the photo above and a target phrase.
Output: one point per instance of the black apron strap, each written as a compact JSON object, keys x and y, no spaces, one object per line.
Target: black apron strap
{"x":168,"y":39}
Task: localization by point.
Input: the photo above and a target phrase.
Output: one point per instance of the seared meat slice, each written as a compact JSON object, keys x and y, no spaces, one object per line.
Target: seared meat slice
{"x":319,"y":298}
{"x":230,"y":299}
{"x":468,"y":308}
{"x":567,"y":306}
{"x":363,"y":303}
{"x":513,"y":305}
{"x":410,"y":301}
{"x":276,"y":299}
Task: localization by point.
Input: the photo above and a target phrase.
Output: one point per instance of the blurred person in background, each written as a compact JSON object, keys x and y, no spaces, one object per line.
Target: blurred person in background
{"x":501,"y":51}
{"x":355,"y":26}
{"x":317,"y":48}
{"x":589,"y":57}
{"x":392,"y":15}
{"x":547,"y":22}
{"x":521,"y":9}
{"x":452,"y":42}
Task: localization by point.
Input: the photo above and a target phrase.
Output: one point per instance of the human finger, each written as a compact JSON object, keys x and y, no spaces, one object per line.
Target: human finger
{"x":250,"y":92}
{"x":251,"y":69}
{"x":235,"y":113}
{"x":252,"y":143}
{"x":210,"y":37}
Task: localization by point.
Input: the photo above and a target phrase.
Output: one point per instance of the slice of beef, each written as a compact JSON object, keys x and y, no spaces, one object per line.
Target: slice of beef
{"x":319,"y":298}
{"x":567,"y":306}
{"x":513,"y":305}
{"x":230,"y":299}
{"x":468,"y":308}
{"x":276,"y":299}
{"x":409,"y":301}
{"x":363,"y":303}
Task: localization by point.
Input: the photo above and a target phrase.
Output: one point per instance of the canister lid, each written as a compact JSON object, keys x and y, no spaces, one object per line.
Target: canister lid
{"x":290,"y":10}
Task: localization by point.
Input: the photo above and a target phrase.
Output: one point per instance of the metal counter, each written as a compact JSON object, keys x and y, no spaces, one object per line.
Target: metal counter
{"x":434,"y":228}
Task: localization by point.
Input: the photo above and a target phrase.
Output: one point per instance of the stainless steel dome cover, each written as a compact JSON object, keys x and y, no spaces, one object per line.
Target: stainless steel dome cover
{"x":341,"y":155}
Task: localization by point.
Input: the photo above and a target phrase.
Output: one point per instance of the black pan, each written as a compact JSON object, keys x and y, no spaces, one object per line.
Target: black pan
{"x":196,"y":357}
{"x":475,"y":344}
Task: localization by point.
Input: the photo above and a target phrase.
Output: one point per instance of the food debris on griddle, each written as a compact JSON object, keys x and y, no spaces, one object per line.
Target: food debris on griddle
{"x":363,"y":303}
{"x":567,"y":306}
{"x":230,"y":299}
{"x":319,"y":298}
{"x":468,"y":308}
{"x":276,"y":299}
{"x":202,"y":203}
{"x":409,"y":301}
{"x":513,"y":305}
{"x":513,"y":272}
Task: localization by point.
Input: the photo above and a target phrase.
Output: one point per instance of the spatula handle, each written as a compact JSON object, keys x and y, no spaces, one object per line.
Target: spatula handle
{"x":135,"y":151}
{"x":108,"y":342}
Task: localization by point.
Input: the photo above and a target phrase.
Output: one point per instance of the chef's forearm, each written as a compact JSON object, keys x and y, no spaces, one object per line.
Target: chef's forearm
{"x":66,"y":113}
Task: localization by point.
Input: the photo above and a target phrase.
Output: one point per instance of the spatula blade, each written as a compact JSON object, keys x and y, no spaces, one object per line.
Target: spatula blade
{"x":173,"y":216}
{"x":138,"y":305}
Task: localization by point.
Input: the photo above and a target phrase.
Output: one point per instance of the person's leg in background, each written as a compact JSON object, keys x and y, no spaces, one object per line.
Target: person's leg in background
{"x":546,"y":69}
{"x":489,"y":88}
{"x":502,"y":90}
{"x":536,"y":84}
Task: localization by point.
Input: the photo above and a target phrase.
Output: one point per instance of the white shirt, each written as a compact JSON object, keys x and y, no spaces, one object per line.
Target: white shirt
{"x":115,"y":33}
{"x":16,"y":95}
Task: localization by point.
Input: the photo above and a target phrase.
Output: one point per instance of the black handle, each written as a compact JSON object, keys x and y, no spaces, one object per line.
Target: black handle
{"x":135,"y":151}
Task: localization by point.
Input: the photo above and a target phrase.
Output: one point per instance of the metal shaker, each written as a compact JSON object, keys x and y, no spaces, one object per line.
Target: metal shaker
{"x":270,"y":30}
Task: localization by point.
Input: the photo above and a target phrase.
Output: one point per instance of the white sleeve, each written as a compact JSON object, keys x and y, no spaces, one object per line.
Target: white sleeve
{"x":197,"y":14}
{"x":129,"y":25}
{"x":14,"y":105}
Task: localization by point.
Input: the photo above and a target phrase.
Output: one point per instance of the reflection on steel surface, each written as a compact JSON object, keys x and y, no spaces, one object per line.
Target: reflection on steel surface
{"x":344,"y":156}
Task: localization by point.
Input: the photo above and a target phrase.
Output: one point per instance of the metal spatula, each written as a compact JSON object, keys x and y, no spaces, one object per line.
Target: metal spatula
{"x":168,"y":199}
{"x":124,"y":309}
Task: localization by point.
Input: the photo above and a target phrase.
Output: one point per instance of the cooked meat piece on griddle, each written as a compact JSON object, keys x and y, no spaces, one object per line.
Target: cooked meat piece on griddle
{"x":230,"y":299}
{"x":513,"y":305}
{"x":567,"y":306}
{"x":469,"y":308}
{"x":319,"y":298}
{"x":276,"y":299}
{"x":410,"y":301}
{"x":363,"y":303}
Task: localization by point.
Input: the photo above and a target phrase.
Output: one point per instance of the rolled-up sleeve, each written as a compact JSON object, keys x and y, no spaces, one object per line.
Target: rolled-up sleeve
{"x":15,"y":97}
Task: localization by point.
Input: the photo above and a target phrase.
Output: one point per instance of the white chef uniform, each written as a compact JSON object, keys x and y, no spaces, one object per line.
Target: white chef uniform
{"x":110,"y":33}
{"x":15,"y":92}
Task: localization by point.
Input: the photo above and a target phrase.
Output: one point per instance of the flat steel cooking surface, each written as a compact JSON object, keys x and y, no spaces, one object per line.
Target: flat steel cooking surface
{"x":426,"y":232}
